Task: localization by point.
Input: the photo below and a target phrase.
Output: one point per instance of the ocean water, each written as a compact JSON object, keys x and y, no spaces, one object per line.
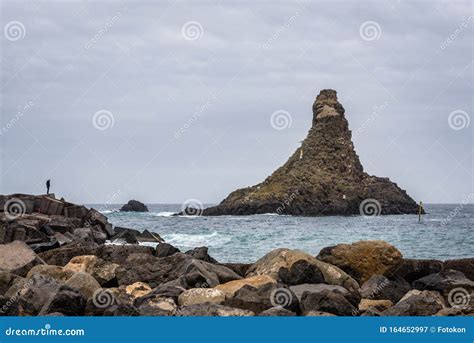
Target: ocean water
{"x":446,"y":232}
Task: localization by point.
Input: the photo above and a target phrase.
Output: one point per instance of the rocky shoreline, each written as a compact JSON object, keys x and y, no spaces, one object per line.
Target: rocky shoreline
{"x":57,"y":260}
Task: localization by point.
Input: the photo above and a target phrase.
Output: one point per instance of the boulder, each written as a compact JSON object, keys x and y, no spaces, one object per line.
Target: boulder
{"x":167,"y":290}
{"x":165,"y":249}
{"x":201,"y":295}
{"x":272,"y":262}
{"x":262,"y":298}
{"x":7,"y":279}
{"x":379,"y":305}
{"x":35,"y":293}
{"x":62,"y":255}
{"x":172,"y":267}
{"x":212,"y":310}
{"x":124,"y":237}
{"x":378,"y":287}
{"x":56,"y":272}
{"x":456,"y":311}
{"x":137,"y":290}
{"x":277,"y":312}
{"x":362,"y":259}
{"x":327,"y":301}
{"x":201,"y":254}
{"x":300,"y":272}
{"x":102,"y":271}
{"x":85,"y":283}
{"x":239,"y":268}
{"x":229,"y":288}
{"x":417,"y":303}
{"x":134,"y":206}
{"x":157,"y":306}
{"x":299,"y":290}
{"x":464,"y":265}
{"x":444,"y":282}
{"x":121,"y":310}
{"x":65,"y":300}
{"x":411,"y":269}
{"x":17,"y":258}
{"x":8,"y":307}
{"x":119,"y":253}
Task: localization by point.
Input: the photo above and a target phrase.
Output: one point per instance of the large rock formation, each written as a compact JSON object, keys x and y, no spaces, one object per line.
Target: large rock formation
{"x":323,"y":177}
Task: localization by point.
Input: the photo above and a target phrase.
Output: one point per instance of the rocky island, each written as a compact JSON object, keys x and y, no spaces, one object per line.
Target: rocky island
{"x":57,"y":259}
{"x":134,"y":206}
{"x":323,"y":177}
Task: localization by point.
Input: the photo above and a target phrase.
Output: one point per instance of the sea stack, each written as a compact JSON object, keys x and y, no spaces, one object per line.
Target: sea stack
{"x":134,"y":206}
{"x":323,"y":177}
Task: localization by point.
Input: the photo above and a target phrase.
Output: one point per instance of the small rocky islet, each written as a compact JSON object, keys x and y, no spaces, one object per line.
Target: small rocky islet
{"x":56,"y":259}
{"x":324,"y":176}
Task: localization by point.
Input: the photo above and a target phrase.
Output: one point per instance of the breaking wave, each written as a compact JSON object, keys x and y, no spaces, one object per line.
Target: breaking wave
{"x":196,"y":240}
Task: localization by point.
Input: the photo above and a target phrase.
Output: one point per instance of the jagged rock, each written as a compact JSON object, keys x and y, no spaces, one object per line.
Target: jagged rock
{"x":263,"y":298}
{"x":35,"y":293}
{"x":102,"y":271}
{"x":411,"y":269}
{"x":65,"y":300}
{"x":200,"y":253}
{"x":417,"y":303}
{"x":464,"y":265}
{"x":84,"y":283}
{"x":62,"y":255}
{"x":300,"y":272}
{"x":63,"y":224}
{"x":362,"y":259}
{"x":137,"y":290}
{"x":327,"y":301}
{"x":119,"y":253}
{"x":323,"y":177}
{"x":56,"y":272}
{"x":212,"y":310}
{"x":444,"y":282}
{"x":165,"y":249}
{"x":7,"y":279}
{"x":378,"y":287}
{"x":277,"y":312}
{"x":170,"y":290}
{"x":121,"y":310}
{"x":299,"y":290}
{"x":17,"y":258}
{"x":157,"y":306}
{"x":229,"y":288}
{"x":125,"y":236}
{"x":172,"y":267}
{"x":134,"y":206}
{"x":151,"y":237}
{"x":201,"y":295}
{"x":272,"y":262}
{"x":379,"y":305}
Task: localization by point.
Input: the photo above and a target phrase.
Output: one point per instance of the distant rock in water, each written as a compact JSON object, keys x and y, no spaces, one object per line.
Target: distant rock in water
{"x":134,"y":206}
{"x":323,"y":177}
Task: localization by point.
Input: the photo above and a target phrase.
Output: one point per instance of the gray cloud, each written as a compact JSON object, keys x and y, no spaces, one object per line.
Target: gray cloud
{"x":219,"y":92}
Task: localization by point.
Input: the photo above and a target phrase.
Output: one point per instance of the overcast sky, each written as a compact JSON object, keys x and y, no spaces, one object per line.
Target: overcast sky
{"x":171,"y":100}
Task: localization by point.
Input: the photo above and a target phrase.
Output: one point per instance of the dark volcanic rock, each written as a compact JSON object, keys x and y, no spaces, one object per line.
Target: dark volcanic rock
{"x":200,"y":253}
{"x":134,"y":206}
{"x":352,"y":297}
{"x":61,"y":256}
{"x":277,"y":312}
{"x":165,"y":249}
{"x":239,"y":268}
{"x":212,"y":310}
{"x":416,"y":303}
{"x":464,"y":265}
{"x":327,"y":301}
{"x":299,"y":273}
{"x":444,"y":282}
{"x":411,"y":269}
{"x":378,"y":287}
{"x":66,"y":300}
{"x":323,"y":177}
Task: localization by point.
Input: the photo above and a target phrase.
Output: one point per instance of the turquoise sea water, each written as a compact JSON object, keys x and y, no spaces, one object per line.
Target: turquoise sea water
{"x":446,"y":232}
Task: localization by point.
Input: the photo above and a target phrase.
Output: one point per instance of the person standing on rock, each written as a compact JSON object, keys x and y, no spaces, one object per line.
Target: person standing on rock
{"x":48,"y":185}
